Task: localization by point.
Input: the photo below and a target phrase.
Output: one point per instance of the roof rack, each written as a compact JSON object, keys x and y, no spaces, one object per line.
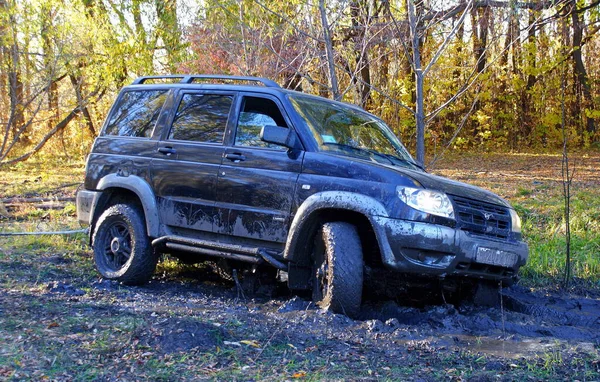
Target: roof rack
{"x":188,"y":79}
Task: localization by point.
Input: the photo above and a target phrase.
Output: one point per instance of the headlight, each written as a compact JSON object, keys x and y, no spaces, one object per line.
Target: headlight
{"x":431,"y":202}
{"x":515,"y":221}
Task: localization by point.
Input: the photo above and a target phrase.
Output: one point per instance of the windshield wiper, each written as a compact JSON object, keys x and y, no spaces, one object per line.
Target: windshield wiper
{"x":405,"y":160}
{"x":360,"y":149}
{"x":393,"y":159}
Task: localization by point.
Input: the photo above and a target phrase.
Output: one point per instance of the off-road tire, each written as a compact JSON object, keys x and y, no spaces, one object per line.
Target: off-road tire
{"x":337,"y":277}
{"x":122,"y":248}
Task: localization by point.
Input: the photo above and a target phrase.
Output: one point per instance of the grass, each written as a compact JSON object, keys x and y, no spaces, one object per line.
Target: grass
{"x":544,"y":228}
{"x":532,"y":183}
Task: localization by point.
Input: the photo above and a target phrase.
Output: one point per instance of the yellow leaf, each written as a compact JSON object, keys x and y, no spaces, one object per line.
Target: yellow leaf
{"x":299,"y":374}
{"x":252,"y":343}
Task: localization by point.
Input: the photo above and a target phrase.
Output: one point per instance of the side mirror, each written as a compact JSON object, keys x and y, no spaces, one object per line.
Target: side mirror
{"x":278,"y":135}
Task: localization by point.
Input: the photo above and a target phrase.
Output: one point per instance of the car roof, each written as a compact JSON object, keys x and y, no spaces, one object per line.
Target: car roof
{"x":210,"y":82}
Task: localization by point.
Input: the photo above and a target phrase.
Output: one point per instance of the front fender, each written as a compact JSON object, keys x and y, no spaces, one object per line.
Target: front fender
{"x":342,"y":200}
{"x":143,"y":191}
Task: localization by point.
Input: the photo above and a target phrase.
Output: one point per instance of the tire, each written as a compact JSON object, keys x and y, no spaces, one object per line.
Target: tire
{"x":337,"y":275}
{"x":122,"y":248}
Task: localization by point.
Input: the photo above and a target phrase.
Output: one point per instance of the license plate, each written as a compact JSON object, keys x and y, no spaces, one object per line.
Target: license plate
{"x":496,"y":257}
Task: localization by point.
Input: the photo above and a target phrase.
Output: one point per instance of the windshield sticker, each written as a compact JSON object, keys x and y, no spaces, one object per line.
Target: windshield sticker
{"x":328,"y":138}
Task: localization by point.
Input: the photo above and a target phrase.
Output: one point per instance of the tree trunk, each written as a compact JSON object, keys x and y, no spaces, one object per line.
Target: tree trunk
{"x":413,"y":21}
{"x":329,"y":52}
{"x":580,"y":72}
{"x":480,"y":18}
{"x":77,"y":82}
{"x":362,"y":54}
{"x":4,"y":59}
{"x":49,"y":66}
{"x":168,"y":30}
{"x":527,"y":108}
{"x":16,"y":90}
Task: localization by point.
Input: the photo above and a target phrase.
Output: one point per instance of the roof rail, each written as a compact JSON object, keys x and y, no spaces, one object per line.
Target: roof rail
{"x":188,"y":79}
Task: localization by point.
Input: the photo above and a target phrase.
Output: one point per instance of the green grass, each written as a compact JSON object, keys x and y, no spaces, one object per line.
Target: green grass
{"x":544,"y":229}
{"x":532,"y":184}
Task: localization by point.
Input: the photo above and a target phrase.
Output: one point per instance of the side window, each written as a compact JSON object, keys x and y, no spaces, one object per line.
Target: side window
{"x":255,"y":114}
{"x":201,"y":118}
{"x":136,"y":113}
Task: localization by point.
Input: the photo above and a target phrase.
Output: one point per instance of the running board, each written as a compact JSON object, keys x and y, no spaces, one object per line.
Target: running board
{"x":211,"y":248}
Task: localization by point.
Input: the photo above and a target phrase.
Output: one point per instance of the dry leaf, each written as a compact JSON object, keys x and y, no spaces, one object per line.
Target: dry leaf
{"x":299,"y":374}
{"x":252,"y":343}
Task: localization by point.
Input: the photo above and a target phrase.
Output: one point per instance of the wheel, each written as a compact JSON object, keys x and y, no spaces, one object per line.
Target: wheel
{"x":122,"y":248}
{"x":337,"y":275}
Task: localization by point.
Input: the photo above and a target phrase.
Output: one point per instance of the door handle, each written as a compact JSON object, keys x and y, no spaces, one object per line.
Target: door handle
{"x":235,"y":157}
{"x":166,"y":150}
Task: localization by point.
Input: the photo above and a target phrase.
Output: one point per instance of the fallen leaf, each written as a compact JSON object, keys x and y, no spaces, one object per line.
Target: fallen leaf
{"x":53,"y":325}
{"x":231,"y":343}
{"x":252,"y":343}
{"x":299,"y":374}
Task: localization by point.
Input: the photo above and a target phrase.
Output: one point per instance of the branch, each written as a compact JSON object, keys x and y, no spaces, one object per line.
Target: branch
{"x":61,"y":125}
{"x":441,"y":49}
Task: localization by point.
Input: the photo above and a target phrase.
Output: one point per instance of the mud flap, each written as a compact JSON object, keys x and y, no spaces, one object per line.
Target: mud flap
{"x":299,"y":277}
{"x":487,"y":293}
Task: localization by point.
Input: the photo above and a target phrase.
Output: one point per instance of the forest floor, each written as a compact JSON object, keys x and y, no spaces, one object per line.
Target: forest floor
{"x":60,"y":321}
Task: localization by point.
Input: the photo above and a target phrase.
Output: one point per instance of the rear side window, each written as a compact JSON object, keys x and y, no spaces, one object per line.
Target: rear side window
{"x":201,"y":118}
{"x":136,"y":113}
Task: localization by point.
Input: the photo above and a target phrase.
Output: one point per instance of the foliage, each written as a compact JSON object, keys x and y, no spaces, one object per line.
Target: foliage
{"x":494,"y":80}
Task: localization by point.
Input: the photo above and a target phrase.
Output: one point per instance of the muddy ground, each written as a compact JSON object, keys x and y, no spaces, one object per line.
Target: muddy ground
{"x":194,"y":323}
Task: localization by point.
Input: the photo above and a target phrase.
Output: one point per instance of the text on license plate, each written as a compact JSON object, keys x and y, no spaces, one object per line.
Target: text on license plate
{"x":496,"y":257}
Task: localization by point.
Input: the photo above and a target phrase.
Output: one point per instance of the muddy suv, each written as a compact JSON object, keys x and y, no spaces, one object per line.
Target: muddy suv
{"x":237,"y":168}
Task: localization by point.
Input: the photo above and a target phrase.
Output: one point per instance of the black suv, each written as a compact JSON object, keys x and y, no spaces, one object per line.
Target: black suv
{"x":238,"y":168}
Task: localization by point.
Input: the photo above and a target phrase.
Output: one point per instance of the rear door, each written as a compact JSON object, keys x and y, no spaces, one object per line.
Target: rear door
{"x":184,"y":173}
{"x":257,"y":180}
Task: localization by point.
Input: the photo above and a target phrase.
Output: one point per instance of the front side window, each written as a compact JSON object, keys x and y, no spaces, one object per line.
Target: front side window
{"x":136,"y":113}
{"x":257,"y":113}
{"x":201,"y":118}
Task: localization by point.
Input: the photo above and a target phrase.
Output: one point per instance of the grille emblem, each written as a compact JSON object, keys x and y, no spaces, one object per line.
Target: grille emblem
{"x":487,"y":215}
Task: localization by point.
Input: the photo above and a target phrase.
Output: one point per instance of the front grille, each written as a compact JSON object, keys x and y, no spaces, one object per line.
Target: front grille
{"x":482,"y":218}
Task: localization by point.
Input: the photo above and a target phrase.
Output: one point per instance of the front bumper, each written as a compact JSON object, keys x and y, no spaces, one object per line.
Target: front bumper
{"x":86,"y":204}
{"x":437,"y":250}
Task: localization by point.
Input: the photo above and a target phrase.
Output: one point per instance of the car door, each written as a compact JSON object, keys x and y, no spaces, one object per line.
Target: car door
{"x":257,"y":180}
{"x":184,"y":171}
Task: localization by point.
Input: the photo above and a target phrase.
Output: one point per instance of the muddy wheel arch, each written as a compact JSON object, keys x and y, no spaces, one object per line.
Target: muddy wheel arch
{"x":326,"y":207}
{"x":140,"y":188}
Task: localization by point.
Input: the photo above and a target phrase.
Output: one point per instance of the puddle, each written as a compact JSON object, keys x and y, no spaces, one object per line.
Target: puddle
{"x":510,"y":348}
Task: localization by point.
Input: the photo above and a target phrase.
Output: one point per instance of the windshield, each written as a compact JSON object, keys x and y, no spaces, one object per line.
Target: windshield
{"x":347,"y":131}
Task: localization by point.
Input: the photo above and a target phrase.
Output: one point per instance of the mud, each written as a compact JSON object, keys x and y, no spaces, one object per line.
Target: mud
{"x":175,"y":335}
{"x":526,"y":324}
{"x":200,"y":314}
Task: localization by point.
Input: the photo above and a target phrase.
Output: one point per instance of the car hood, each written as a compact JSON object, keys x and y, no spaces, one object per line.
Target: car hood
{"x":336,"y":165}
{"x":451,"y":187}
